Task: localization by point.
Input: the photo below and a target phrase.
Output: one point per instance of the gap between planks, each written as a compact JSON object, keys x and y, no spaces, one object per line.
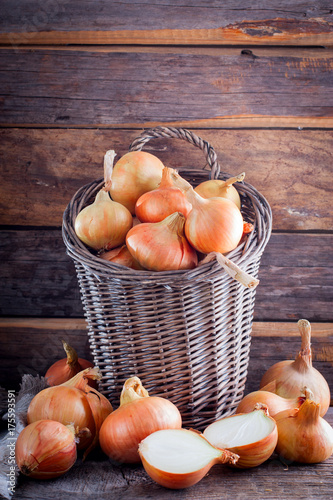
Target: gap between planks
{"x":260,"y":328}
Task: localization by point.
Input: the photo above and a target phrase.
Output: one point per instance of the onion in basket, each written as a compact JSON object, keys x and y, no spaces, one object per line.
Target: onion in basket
{"x":213,"y":224}
{"x":219,"y":188}
{"x":165,"y":200}
{"x":103,"y":225}
{"x":162,"y":246}
{"x":134,"y":174}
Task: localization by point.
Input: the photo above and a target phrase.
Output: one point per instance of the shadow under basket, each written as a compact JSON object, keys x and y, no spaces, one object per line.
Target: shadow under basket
{"x":185,"y":334}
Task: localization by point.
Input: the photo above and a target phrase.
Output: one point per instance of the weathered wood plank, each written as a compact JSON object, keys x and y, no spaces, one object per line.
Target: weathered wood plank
{"x":38,"y":279}
{"x":144,"y":22}
{"x":92,"y":88}
{"x":42,"y":169}
{"x":272,"y":480}
{"x":280,"y":341}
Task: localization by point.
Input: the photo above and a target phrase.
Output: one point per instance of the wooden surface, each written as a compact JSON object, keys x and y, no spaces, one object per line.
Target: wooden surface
{"x":256,"y":83}
{"x":168,"y":22}
{"x":122,"y":88}
{"x":291,"y":167}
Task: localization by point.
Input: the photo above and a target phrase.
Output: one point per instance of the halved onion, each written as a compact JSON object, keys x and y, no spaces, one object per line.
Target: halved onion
{"x":179,"y":458}
{"x":253,"y":436}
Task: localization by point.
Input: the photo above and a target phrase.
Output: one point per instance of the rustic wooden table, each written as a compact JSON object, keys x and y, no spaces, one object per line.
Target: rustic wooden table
{"x":256,"y":83}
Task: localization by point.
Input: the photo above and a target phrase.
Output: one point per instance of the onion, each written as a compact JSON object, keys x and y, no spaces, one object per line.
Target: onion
{"x":214,"y":224}
{"x":137,"y":416}
{"x":156,"y":205}
{"x":103,"y":225}
{"x":64,"y":369}
{"x":252,"y":436}
{"x":45,"y":449}
{"x":122,"y":256}
{"x":291,"y":376}
{"x":162,"y":246}
{"x":73,"y":402}
{"x":304,"y":436}
{"x":223,"y":189}
{"x":134,"y":174}
{"x":179,"y":458}
{"x":267,"y":396}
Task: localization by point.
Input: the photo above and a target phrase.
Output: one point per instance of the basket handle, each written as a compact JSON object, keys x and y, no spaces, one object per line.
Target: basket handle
{"x":179,"y":133}
{"x":232,"y":269}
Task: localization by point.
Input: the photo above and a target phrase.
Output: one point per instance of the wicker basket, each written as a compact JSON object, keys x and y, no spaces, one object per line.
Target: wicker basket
{"x":186,"y":334}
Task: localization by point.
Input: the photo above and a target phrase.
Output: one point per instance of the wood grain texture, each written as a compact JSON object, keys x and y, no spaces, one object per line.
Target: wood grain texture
{"x":167,"y":22}
{"x":39,"y":280}
{"x":116,"y":89}
{"x":280,"y":341}
{"x":43,"y":168}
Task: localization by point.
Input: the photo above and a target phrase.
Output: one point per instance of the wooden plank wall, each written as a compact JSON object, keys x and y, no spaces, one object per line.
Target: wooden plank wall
{"x":77,"y":79}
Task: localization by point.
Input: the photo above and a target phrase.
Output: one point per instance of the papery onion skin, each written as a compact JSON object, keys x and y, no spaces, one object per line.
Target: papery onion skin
{"x":45,"y":449}
{"x":274,"y":403}
{"x":162,"y":246}
{"x":304,"y":436}
{"x":103,"y":224}
{"x":64,"y":369}
{"x":128,"y":425}
{"x":65,"y":405}
{"x":166,"y":199}
{"x":290,"y":376}
{"x":219,"y":188}
{"x":134,"y":174}
{"x":214,"y":226}
{"x":73,"y":402}
{"x":122,"y":256}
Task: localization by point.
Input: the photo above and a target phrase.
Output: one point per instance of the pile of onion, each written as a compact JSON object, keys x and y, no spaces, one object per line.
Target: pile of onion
{"x":74,"y":402}
{"x":140,"y":185}
{"x":137,"y":416}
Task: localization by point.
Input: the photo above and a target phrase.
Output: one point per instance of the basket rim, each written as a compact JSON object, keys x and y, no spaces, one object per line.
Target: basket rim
{"x":246,"y":253}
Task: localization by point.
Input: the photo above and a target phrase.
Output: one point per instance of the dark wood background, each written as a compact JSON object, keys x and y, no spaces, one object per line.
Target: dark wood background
{"x":77,"y":79}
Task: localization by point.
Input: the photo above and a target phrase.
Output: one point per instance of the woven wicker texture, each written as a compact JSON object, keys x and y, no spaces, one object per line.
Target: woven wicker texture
{"x":185,"y":334}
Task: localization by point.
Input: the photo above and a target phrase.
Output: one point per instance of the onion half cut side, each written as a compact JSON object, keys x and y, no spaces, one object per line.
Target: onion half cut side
{"x":253,"y":436}
{"x":179,"y":458}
